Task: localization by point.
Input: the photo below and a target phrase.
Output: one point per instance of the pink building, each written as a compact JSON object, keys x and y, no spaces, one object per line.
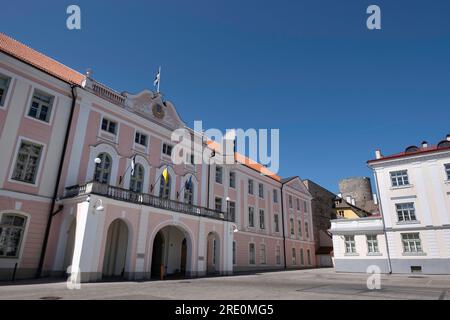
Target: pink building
{"x":69,"y":198}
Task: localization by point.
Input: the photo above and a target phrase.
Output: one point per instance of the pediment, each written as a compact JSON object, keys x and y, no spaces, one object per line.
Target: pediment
{"x":299,"y":186}
{"x":151,"y":106}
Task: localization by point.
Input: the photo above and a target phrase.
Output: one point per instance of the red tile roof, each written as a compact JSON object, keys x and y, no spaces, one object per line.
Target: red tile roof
{"x":421,"y":150}
{"x":38,"y":60}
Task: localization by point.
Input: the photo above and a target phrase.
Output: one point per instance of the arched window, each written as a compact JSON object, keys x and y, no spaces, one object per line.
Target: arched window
{"x":11,"y":233}
{"x":137,"y":179}
{"x":164,"y":187}
{"x":189,"y":193}
{"x":103,"y":169}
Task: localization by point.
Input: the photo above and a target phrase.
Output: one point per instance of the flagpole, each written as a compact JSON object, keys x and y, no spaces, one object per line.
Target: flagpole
{"x":159,"y":78}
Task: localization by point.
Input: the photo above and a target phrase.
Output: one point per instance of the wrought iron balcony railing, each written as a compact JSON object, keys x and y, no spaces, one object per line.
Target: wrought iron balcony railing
{"x":143,"y":199}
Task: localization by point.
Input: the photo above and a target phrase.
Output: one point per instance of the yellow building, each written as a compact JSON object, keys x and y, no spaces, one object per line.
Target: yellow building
{"x":345,"y":210}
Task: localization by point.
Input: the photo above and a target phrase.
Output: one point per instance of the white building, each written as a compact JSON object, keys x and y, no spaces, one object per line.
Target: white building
{"x":414,"y":192}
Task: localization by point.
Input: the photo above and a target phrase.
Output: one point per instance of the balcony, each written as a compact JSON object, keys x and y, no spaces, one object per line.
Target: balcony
{"x":357,"y":226}
{"x":142,"y":199}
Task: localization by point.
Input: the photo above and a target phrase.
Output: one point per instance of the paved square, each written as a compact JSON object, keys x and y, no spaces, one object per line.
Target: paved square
{"x":298,"y":284}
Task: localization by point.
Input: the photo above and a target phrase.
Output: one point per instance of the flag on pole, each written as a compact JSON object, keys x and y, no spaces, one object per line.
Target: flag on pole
{"x":157,"y":80}
{"x":188,"y":183}
{"x":165,"y":175}
{"x":133,"y":163}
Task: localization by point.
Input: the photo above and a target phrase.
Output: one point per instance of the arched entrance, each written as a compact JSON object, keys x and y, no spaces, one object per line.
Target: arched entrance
{"x":172,"y":253}
{"x":70,"y":245}
{"x":115,"y":250}
{"x":213,"y":254}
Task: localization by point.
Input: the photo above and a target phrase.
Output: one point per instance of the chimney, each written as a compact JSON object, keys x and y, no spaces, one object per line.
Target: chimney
{"x":375,"y":199}
{"x":424,"y":144}
{"x":378,"y":154}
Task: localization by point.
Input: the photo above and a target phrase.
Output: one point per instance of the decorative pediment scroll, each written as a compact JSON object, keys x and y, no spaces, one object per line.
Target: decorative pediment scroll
{"x":151,"y":106}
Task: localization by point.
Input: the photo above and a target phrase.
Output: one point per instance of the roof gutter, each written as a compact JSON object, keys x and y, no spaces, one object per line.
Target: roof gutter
{"x":58,"y":181}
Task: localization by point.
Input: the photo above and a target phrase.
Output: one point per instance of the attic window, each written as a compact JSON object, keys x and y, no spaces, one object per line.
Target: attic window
{"x":443,"y":144}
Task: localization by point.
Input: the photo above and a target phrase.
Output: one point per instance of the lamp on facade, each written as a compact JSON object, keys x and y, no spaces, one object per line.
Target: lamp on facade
{"x":98,"y":160}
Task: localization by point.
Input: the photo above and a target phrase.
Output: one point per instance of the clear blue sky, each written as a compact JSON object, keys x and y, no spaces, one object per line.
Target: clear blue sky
{"x":336,"y":90}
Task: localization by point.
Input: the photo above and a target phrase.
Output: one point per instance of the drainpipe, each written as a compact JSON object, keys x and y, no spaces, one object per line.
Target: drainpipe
{"x":384,"y":225}
{"x":282,"y":222}
{"x":58,"y":180}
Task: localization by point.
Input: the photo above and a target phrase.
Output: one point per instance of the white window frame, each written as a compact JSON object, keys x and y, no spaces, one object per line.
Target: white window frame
{"x":252,"y":255}
{"x":299,"y":229}
{"x":278,"y":255}
{"x":10,"y":261}
{"x":109,"y":121}
{"x":262,"y":253}
{"x":350,"y":244}
{"x":232,"y":212}
{"x":302,"y":257}
{"x":292,"y":226}
{"x":406,"y":212}
{"x":411,"y":242}
{"x":218,"y":174}
{"x":372,"y":244}
{"x":263,"y":215}
{"x":276,"y":223}
{"x":399,"y":178}
{"x":252,"y":210}
{"x":221,"y":203}
{"x":40,"y":165}
{"x":447,"y":170}
{"x":261,"y":190}
{"x":290,"y":202}
{"x":232,"y":180}
{"x":141,"y":134}
{"x":167,"y":145}
{"x":7,"y":89}
{"x":294,"y":256}
{"x":234,"y":255}
{"x":308,"y":257}
{"x":307,"y":229}
{"x":275,"y":196}
{"x":54,"y":102}
{"x":251,"y":187}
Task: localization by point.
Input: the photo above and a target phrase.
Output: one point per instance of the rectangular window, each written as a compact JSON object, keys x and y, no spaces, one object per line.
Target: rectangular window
{"x":298,"y":204}
{"x":399,"y":178}
{"x":302,"y":258}
{"x":372,"y":243}
{"x":294,"y":256}
{"x":41,"y":106}
{"x":275,"y":195}
{"x":232,"y":210}
{"x":234,"y":252}
{"x":140,"y":138}
{"x":263,"y":254}
{"x":167,"y":149}
{"x":11,"y":233}
{"x":299,"y":228}
{"x":278,"y":255}
{"x":4,"y":85}
{"x":262,"y":224}
{"x":405,"y":211}
{"x":308,"y":254}
{"x":290,"y":201}
{"x":232,"y":179}
{"x":411,"y":243}
{"x":307,"y":230}
{"x":251,"y":217}
{"x":218,"y":204}
{"x":305,"y":206}
{"x":250,"y":186}
{"x":447,"y":171}
{"x":219,"y":172}
{"x":350,"y":246}
{"x":276,"y":223}
{"x":291,"y":220}
{"x":27,"y":162}
{"x":251,"y":253}
{"x":109,"y":126}
{"x":261,"y":190}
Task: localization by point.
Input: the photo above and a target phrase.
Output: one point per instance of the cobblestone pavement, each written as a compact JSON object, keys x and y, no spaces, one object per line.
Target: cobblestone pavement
{"x":298,"y":284}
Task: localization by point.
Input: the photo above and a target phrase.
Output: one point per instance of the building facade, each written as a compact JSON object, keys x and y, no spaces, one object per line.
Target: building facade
{"x":413,"y":232}
{"x":89,"y":186}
